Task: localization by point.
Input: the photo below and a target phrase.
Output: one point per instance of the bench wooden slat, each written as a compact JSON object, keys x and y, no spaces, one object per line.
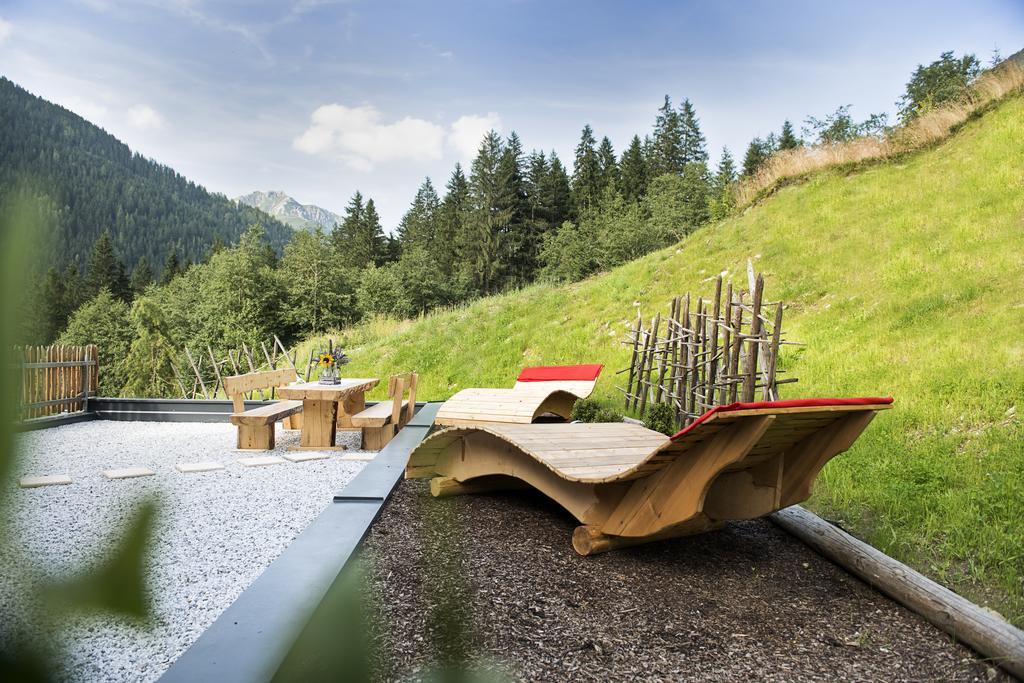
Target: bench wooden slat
{"x":267,"y":414}
{"x":376,"y":415}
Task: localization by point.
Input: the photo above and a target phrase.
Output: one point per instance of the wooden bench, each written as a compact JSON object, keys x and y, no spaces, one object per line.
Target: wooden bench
{"x":380,"y":422}
{"x":256,"y":426}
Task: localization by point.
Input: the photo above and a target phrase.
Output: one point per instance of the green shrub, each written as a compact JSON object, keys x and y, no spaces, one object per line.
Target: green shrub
{"x":661,"y":418}
{"x":589,"y":410}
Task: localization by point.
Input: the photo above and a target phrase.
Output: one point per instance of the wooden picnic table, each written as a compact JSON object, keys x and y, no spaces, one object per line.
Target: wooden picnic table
{"x":327,"y":407}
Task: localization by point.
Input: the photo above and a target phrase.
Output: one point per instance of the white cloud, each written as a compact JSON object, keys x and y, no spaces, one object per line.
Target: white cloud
{"x":6,"y":28}
{"x":144,"y":117}
{"x":467,"y":132}
{"x":359,"y":137}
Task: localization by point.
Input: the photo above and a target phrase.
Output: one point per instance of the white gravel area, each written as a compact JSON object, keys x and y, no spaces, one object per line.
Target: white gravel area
{"x":215,"y":533}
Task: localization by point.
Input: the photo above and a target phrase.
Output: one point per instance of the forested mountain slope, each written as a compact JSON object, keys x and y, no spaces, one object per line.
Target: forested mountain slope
{"x":903,"y":278}
{"x":93,"y":182}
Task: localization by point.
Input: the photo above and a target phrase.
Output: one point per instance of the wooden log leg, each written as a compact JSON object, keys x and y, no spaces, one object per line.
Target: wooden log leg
{"x":256,"y":437}
{"x":318,"y":428}
{"x":354,"y":403}
{"x":588,"y":539}
{"x":376,"y":438}
{"x":293,"y":422}
{"x":443,"y":487}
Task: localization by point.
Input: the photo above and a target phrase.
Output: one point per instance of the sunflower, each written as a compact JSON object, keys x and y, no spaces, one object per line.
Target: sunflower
{"x":326,"y":360}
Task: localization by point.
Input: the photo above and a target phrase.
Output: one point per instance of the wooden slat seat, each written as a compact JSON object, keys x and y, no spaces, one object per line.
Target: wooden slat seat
{"x":627,"y":484}
{"x":377,"y":415}
{"x":267,"y":414}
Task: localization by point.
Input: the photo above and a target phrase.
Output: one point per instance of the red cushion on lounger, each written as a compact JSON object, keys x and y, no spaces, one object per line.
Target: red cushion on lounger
{"x":792,"y":403}
{"x":560,"y":373}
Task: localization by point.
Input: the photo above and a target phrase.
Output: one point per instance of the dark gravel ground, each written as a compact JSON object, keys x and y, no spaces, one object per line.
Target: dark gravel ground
{"x":745,"y":603}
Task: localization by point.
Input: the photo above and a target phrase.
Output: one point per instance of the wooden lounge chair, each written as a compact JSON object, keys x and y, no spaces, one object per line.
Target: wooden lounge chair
{"x":627,"y":484}
{"x":539,"y":391}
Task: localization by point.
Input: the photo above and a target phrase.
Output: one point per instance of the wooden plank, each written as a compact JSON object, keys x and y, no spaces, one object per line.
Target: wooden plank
{"x":267,"y":414}
{"x":327,"y":392}
{"x":216,"y":371}
{"x":632,"y":361}
{"x":676,"y":493}
{"x":195,"y":369}
{"x":753,"y":352}
{"x":236,"y":385}
{"x":645,"y":377}
{"x":996,"y":639}
{"x":376,"y":415}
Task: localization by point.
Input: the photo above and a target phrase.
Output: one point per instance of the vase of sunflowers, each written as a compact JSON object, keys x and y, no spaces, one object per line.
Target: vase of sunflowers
{"x":329,"y":364}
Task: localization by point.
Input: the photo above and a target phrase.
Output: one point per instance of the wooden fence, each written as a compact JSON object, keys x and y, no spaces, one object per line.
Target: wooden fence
{"x":56,"y":379}
{"x":206,"y":370}
{"x":706,"y":353}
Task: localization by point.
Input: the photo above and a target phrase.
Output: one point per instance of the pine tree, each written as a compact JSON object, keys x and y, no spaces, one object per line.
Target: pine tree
{"x":788,"y":139}
{"x":694,"y":148}
{"x":609,"y":166}
{"x":557,"y":192}
{"x":358,"y":240}
{"x":537,"y":170}
{"x":586,"y":173}
{"x":757,"y":153}
{"x":172,"y":267}
{"x":490,"y":212}
{"x":74,"y":289}
{"x":448,"y":247}
{"x":319,"y":290}
{"x":148,"y":367}
{"x":372,"y":235}
{"x":538,"y":218}
{"x":418,"y":226}
{"x":106,"y":271}
{"x":142,"y":276}
{"x":666,"y":148}
{"x":518,"y":257}
{"x":53,"y":311}
{"x":633,"y":171}
{"x":721,"y":201}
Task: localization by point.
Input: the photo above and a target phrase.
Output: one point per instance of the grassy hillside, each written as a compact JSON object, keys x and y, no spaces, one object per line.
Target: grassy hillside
{"x":905,"y":278}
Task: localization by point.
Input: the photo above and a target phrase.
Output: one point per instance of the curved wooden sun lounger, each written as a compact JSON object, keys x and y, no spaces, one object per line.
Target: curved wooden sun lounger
{"x":542,"y":390}
{"x":627,"y":484}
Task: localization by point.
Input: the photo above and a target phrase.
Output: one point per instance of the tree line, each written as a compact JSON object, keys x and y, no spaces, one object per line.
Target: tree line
{"x":511,"y":219}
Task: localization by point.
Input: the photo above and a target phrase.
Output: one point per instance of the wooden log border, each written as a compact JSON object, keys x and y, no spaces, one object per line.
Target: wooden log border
{"x":991,"y":636}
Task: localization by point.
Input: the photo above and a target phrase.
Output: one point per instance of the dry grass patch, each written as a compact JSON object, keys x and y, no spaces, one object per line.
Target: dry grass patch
{"x":927,"y":129}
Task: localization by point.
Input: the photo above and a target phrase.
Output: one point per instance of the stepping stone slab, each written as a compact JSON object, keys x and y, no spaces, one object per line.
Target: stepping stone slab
{"x":361,"y":457}
{"x":305,"y":457}
{"x":198,"y":466}
{"x":45,"y":480}
{"x":260,"y":461}
{"x":128,"y":473}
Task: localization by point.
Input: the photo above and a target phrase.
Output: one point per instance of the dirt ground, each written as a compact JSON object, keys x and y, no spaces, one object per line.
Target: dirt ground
{"x":493,"y":579}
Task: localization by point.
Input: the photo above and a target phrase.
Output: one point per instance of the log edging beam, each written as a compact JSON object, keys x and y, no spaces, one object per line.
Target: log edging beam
{"x":993,"y":637}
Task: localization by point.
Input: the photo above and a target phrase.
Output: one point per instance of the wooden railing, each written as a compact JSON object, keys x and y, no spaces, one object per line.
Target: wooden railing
{"x":56,"y":379}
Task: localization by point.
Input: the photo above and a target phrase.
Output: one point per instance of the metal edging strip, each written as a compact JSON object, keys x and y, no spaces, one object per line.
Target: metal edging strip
{"x":251,"y":638}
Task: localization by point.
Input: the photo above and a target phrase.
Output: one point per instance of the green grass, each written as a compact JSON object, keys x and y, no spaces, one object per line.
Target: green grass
{"x":904,"y":278}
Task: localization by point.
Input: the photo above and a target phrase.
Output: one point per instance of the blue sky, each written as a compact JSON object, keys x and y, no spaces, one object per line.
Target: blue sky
{"x":320,"y":97}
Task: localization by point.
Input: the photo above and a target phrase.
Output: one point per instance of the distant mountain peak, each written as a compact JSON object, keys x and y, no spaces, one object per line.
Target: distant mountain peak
{"x":287,"y":210}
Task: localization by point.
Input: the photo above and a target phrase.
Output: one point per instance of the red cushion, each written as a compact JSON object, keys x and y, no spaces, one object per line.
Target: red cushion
{"x":792,"y":403}
{"x":562,"y":373}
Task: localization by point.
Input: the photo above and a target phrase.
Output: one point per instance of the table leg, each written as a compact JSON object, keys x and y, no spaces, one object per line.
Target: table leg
{"x":318,"y":424}
{"x":352,"y":404}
